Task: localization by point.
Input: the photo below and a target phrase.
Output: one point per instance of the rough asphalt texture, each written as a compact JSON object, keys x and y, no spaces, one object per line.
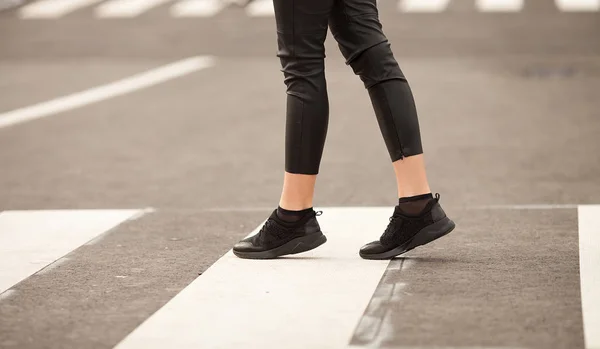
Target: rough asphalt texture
{"x":508,"y":107}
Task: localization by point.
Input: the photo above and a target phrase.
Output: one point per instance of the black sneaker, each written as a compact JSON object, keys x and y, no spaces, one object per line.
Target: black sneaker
{"x":404,"y":233}
{"x":277,"y":238}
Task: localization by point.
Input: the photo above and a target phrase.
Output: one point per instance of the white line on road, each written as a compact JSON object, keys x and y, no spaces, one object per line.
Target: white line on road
{"x":589,"y":271}
{"x":197,"y":8}
{"x":100,"y":93}
{"x":7,"y":294}
{"x":422,"y":5}
{"x":237,"y":303}
{"x":525,"y":207}
{"x":53,"y":8}
{"x":376,"y":327}
{"x":126,"y":8}
{"x":441,"y":347}
{"x":260,"y":8}
{"x":499,"y":5}
{"x":50,"y":267}
{"x":31,"y":240}
{"x":474,"y":207}
{"x":578,"y":5}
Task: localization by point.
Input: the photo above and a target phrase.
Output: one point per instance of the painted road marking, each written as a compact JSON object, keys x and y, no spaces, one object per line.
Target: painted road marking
{"x":525,"y":207}
{"x":126,"y":8}
{"x":53,"y":8}
{"x":260,"y":8}
{"x":422,"y":5}
{"x":267,"y":209}
{"x":376,"y":326}
{"x":499,"y":5}
{"x":238,"y":303}
{"x":589,"y":271}
{"x":31,"y":240}
{"x":97,"y":94}
{"x":197,"y":8}
{"x":578,"y":5}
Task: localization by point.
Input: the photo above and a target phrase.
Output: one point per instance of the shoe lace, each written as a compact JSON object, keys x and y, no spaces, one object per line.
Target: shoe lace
{"x":395,"y":222}
{"x":398,"y":219}
{"x":272,"y":228}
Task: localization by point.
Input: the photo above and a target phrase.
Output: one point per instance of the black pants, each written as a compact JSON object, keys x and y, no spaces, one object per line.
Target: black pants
{"x":301,"y":32}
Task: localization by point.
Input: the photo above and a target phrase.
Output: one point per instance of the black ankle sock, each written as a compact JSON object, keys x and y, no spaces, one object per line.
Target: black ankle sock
{"x":291,"y":216}
{"x":414,"y":205}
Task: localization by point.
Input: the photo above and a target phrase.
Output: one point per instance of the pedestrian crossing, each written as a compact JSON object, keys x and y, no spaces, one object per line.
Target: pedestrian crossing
{"x":54,"y":8}
{"x":323,"y":292}
{"x":194,"y":8}
{"x":262,"y":304}
{"x":105,"y":9}
{"x":589,"y":260}
{"x":500,"y":5}
{"x":126,"y":8}
{"x":32,"y":240}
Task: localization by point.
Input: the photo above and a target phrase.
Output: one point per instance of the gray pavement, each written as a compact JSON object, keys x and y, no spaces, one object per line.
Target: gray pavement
{"x":508,"y":108}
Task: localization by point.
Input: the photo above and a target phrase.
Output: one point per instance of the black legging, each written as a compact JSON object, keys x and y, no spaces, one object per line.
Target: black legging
{"x":301,"y":32}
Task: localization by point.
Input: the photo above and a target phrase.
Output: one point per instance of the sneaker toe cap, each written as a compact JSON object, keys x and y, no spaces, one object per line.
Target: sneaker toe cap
{"x":374,"y":247}
{"x":244,"y":246}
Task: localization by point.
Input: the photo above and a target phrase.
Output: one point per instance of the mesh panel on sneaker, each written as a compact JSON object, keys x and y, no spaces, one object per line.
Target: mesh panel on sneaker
{"x":275,"y":232}
{"x":402,"y":228}
{"x":415,"y":205}
{"x":272,"y":232}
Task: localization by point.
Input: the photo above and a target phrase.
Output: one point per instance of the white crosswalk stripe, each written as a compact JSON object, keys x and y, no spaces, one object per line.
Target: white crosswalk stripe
{"x":197,"y":8}
{"x":578,"y":5}
{"x":126,"y":8}
{"x":589,"y":260}
{"x":499,"y":5}
{"x":422,"y":5}
{"x":53,"y":8}
{"x":31,"y":240}
{"x":260,"y":8}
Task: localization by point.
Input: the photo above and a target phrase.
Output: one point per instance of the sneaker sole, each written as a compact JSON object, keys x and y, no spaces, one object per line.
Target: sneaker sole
{"x":298,"y":245}
{"x":425,"y":236}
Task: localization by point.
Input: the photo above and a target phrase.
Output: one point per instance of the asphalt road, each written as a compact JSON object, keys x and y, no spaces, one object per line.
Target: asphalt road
{"x":508,"y":107}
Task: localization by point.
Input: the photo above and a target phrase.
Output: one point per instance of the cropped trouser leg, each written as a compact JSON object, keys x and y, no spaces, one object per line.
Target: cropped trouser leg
{"x":356,"y":27}
{"x":301,"y":32}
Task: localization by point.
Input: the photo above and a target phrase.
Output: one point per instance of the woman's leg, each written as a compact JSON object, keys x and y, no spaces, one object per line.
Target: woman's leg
{"x":418,"y":218}
{"x":355,"y":25}
{"x":298,"y":191}
{"x":411,"y":178}
{"x":301,"y":33}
